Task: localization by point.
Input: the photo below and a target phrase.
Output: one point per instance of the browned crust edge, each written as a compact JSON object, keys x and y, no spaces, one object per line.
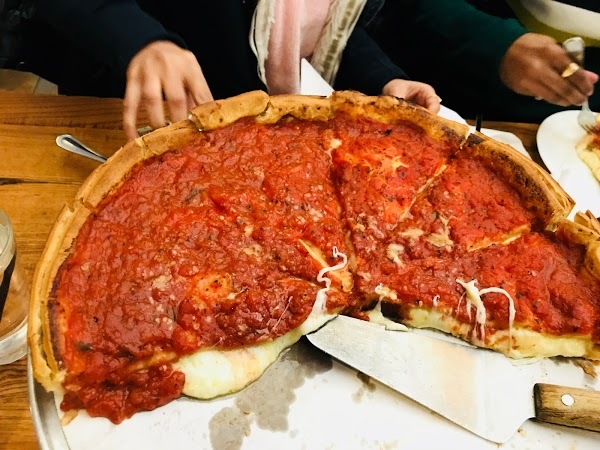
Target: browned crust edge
{"x":539,"y":191}
{"x":43,"y":343}
{"x":584,"y":230}
{"x":388,"y":109}
{"x":221,"y":113}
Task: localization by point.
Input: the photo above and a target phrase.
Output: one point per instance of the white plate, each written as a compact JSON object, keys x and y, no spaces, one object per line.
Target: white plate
{"x":450,"y":114}
{"x":556,"y":140}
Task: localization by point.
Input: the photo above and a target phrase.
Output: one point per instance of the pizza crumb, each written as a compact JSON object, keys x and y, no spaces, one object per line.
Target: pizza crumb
{"x":588,"y":367}
{"x":68,"y":417}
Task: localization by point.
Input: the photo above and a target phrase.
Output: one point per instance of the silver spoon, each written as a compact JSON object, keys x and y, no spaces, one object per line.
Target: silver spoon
{"x":73,"y":145}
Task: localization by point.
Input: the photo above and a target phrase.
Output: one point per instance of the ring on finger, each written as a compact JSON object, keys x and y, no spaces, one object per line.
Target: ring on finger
{"x":570,"y":70}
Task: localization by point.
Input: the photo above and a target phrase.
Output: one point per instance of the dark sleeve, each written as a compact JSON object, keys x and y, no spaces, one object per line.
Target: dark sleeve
{"x":466,"y":30}
{"x":364,"y":66}
{"x":113,"y":31}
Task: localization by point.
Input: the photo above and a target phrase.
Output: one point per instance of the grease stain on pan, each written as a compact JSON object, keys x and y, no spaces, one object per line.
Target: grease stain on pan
{"x":367,"y":386}
{"x":267,"y":401}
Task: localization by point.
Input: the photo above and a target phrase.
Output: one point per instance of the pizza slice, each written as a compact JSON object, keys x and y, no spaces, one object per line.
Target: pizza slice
{"x":588,"y":149}
{"x":393,"y":156}
{"x":514,"y":275}
{"x":387,"y":153}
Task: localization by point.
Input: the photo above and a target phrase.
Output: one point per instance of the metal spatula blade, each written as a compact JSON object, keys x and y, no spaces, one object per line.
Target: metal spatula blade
{"x":478,"y":389}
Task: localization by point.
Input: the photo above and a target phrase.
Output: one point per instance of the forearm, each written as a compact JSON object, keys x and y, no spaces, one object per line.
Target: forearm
{"x":467,"y":31}
{"x":364,"y":66}
{"x":112,"y":31}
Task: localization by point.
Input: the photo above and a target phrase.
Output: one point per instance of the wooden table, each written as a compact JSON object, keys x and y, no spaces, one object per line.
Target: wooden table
{"x":37,"y":179}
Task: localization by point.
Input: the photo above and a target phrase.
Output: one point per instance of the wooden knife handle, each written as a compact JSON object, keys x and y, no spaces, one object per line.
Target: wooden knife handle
{"x":573,"y":407}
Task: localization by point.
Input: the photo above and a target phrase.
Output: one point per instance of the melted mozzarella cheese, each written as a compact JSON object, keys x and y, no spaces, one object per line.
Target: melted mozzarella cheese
{"x":511,"y":309}
{"x":396,"y":162}
{"x":384,"y":291}
{"x":319,"y":304}
{"x":474,"y":299}
{"x":411,"y":233}
{"x":393,"y":253}
{"x":440,"y":240}
{"x":211,"y":373}
{"x":376,"y":316}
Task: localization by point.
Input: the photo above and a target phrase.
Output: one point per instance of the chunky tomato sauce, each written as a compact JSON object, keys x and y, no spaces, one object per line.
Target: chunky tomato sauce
{"x":200,"y":247}
{"x":551,"y":293}
{"x":207,"y":247}
{"x":379,"y":168}
{"x":438,"y":244}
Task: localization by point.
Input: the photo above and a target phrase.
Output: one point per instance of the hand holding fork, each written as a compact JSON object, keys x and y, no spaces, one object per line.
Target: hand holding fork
{"x":575,"y":48}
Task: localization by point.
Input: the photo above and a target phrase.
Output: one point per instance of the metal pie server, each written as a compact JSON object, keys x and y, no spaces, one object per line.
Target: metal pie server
{"x":478,"y":389}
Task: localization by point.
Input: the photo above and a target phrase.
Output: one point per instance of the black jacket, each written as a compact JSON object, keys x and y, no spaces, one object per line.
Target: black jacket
{"x":98,"y":38}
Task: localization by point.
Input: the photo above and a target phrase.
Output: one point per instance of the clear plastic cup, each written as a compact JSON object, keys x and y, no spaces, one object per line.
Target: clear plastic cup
{"x":14,"y":297}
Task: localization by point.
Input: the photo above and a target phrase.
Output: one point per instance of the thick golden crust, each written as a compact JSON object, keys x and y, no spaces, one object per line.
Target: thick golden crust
{"x":46,"y":344}
{"x":221,"y":113}
{"x":298,"y":106}
{"x":110,"y":175}
{"x":105,"y":177}
{"x":584,"y":230}
{"x":388,"y":109}
{"x":44,"y":361}
{"x":540,"y":193}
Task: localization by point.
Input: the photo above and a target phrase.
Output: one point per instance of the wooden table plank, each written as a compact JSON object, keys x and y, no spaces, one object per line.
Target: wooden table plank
{"x":16,"y":426}
{"x":33,"y":209}
{"x":54,"y":110}
{"x":30,"y":153}
{"x":19,"y":108}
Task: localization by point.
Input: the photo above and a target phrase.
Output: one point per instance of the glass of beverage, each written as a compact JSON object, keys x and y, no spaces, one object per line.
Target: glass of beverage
{"x":14,"y":297}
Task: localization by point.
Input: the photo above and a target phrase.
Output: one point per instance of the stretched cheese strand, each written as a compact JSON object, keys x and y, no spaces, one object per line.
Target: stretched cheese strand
{"x":474,"y":299}
{"x":511,"y":309}
{"x":376,"y":316}
{"x":319,"y":305}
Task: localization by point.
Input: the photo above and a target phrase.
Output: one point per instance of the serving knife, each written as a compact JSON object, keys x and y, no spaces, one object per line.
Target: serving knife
{"x":478,"y":389}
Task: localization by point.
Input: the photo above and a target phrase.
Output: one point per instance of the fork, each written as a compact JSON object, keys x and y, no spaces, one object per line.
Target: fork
{"x":587,"y":119}
{"x":575,"y":48}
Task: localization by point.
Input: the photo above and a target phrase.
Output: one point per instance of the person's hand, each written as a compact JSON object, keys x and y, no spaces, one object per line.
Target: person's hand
{"x":420,"y":93}
{"x":534,"y":65}
{"x":162,"y":67}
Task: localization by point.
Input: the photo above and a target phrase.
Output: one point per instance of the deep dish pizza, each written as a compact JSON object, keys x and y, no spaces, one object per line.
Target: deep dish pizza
{"x":198,"y":252}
